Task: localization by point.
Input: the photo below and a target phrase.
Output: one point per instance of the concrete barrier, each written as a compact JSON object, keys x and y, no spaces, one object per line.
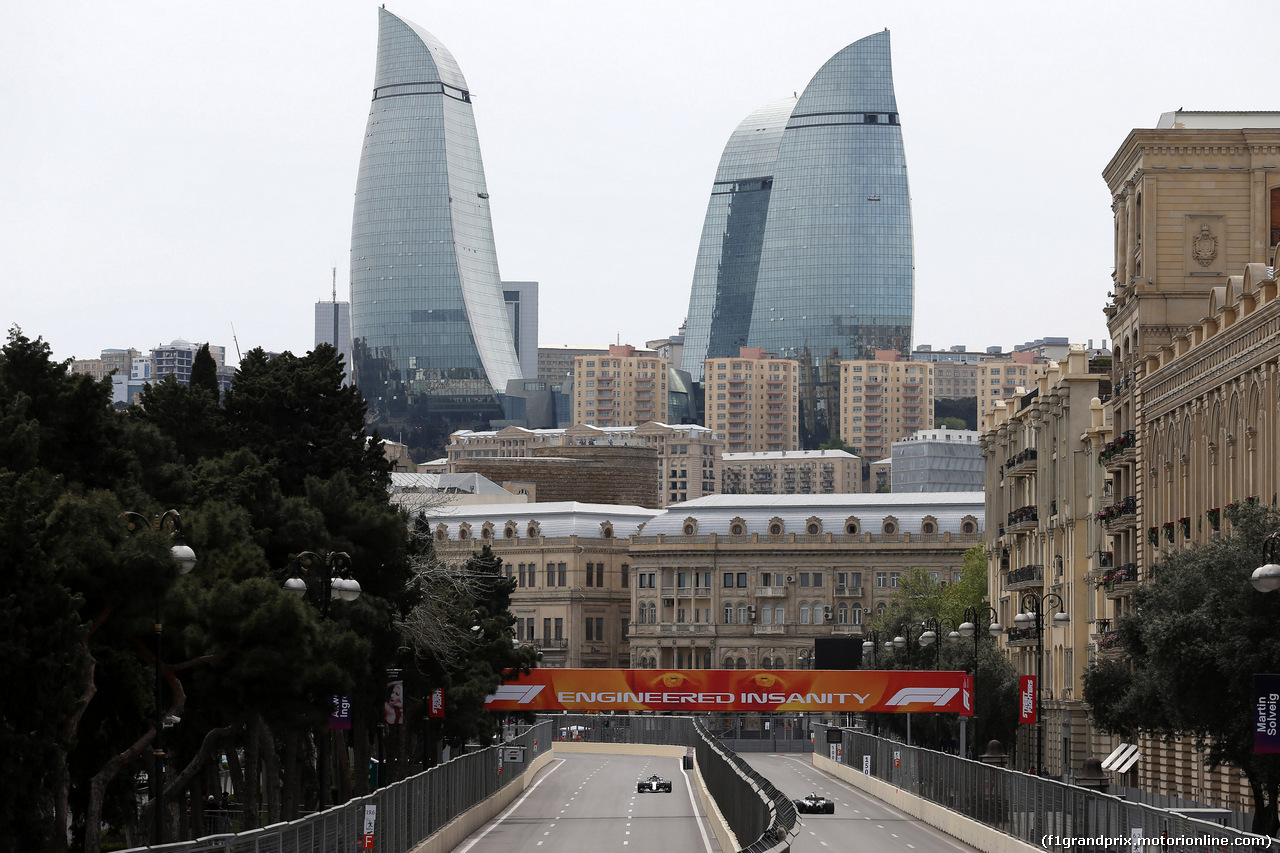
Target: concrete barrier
{"x":456,"y":831}
{"x":959,"y":826}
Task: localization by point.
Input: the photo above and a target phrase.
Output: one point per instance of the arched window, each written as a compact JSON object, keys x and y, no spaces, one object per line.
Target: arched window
{"x":442,"y":533}
{"x":766,"y":662}
{"x":804,"y":613}
{"x":742,"y":614}
{"x":486,"y":532}
{"x":509,"y":532}
{"x":464,"y":532}
{"x":851,"y":527}
{"x":969,"y":527}
{"x":606,"y":530}
{"x":766,"y":615}
{"x":928,"y":528}
{"x":813,"y":528}
{"x":653,"y":613}
{"x":728,"y":614}
{"x":737,"y":527}
{"x":728,"y":663}
{"x":779,"y":615}
{"x":742,"y":663}
{"x":890,"y":528}
{"x":775,"y":528}
{"x":842,"y":614}
{"x":533,"y":532}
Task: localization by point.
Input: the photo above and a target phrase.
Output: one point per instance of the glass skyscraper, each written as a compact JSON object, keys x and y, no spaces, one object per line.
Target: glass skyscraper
{"x":431,"y":340}
{"x":806,"y":247}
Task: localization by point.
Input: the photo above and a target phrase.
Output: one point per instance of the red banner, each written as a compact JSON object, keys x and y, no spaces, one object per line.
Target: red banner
{"x":1028,"y":703}
{"x":882,"y":691}
{"x":436,"y":708}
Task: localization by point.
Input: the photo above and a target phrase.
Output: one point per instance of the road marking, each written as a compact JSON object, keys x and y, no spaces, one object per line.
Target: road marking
{"x":688,"y":786}
{"x":513,"y":807}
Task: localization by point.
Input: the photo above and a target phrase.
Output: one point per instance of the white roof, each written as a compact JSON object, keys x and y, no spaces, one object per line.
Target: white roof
{"x":555,"y":519}
{"x":715,"y":512}
{"x":472,"y":484}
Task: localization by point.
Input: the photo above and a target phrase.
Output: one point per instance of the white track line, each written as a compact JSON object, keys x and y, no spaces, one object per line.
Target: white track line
{"x":706,"y":842}
{"x":513,"y":807}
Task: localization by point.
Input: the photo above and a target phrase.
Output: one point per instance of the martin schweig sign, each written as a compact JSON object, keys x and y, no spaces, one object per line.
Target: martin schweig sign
{"x":891,"y":691}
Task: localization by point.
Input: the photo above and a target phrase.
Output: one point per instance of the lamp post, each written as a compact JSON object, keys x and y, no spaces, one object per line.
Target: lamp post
{"x":870,"y":645}
{"x":973,"y":616}
{"x":186,"y":559}
{"x":333,"y":572}
{"x":1032,"y":619}
{"x":933,"y":628}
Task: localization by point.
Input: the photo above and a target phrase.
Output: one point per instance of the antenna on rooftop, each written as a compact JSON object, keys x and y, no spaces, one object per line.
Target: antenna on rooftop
{"x":237,"y":343}
{"x":335,"y":282}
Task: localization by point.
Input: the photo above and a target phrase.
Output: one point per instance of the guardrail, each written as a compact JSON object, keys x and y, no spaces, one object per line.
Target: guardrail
{"x":1018,"y":804}
{"x":407,"y":812}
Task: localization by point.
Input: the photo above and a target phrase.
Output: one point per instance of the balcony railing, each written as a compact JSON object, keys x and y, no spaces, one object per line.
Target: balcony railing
{"x":848,"y":592}
{"x":1031,"y":575}
{"x":771,"y":592}
{"x":1120,"y":577}
{"x":1023,"y":517}
{"x":1021,"y":462}
{"x":770,"y":629}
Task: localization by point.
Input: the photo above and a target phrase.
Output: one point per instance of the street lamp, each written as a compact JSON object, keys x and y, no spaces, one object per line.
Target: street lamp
{"x":870,"y":645}
{"x":333,"y":571}
{"x":970,"y":628}
{"x":1032,"y":619}
{"x":1266,"y":578}
{"x":186,"y":560}
{"x":933,"y":627}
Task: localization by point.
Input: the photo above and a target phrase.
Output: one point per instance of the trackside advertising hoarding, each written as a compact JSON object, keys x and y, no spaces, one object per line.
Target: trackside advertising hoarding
{"x":894,"y":691}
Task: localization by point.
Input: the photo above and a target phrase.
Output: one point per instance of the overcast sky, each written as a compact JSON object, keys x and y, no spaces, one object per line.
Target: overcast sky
{"x":171,"y":169}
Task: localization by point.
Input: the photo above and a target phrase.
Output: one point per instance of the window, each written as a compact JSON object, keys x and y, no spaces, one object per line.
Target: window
{"x":817,"y":579}
{"x":640,"y":578}
{"x":651,"y":579}
{"x":804,"y":580}
{"x":520,"y":577}
{"x":599,"y":575}
{"x":546,"y":629}
{"x":842,"y":614}
{"x":882,"y":579}
{"x":559,"y":629}
{"x":766,"y":616}
{"x":679,"y":614}
{"x":551,"y":574}
{"x":766,"y":578}
{"x":894,"y":577}
{"x":562,"y":575}
{"x":591,"y":576}
{"x":779,"y":615}
{"x":804,"y":614}
{"x":653,"y":613}
{"x":742,"y":580}
{"x":590,"y":630}
{"x":742,"y":614}
{"x":728,"y":580}
{"x":600,"y":629}
{"x":626,"y":576}
{"x":682,"y":579}
{"x":728,"y":614}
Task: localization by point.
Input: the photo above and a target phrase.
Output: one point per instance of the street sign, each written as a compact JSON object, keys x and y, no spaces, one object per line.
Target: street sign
{"x":866,"y":765}
{"x":513,"y":754}
{"x":370,"y":822}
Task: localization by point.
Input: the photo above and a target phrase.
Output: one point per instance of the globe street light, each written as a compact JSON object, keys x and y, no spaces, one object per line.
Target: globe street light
{"x":1266,"y":578}
{"x":186,"y":559}
{"x":333,"y":572}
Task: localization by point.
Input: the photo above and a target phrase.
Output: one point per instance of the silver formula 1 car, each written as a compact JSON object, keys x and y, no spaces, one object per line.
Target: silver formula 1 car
{"x":653,"y":785}
{"x":813,"y":804}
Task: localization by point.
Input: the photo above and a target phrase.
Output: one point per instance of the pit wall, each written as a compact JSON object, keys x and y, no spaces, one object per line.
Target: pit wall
{"x":966,"y":829}
{"x":724,"y":835}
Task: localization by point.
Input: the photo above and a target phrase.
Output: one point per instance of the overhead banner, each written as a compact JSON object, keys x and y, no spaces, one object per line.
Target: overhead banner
{"x":882,"y":691}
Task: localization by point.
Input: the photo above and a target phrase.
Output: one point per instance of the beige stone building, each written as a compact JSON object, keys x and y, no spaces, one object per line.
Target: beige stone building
{"x":555,"y":364}
{"x":792,"y":472}
{"x":750,"y":581}
{"x":625,"y":387}
{"x":1044,"y":488}
{"x":689,"y":456}
{"x":573,"y":573}
{"x":1196,"y":204}
{"x":753,"y":401}
{"x":882,"y":401}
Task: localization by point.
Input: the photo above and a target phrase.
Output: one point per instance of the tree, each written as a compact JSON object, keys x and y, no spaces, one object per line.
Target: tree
{"x":1189,"y":646}
{"x":950,"y":423}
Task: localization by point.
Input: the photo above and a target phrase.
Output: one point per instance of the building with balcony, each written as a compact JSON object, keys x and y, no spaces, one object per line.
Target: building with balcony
{"x":750,"y":581}
{"x":883,"y":400}
{"x":1048,"y":551}
{"x":793,"y":472}
{"x":625,"y":387}
{"x":753,"y":401}
{"x":572,"y":571}
{"x":1196,"y":208}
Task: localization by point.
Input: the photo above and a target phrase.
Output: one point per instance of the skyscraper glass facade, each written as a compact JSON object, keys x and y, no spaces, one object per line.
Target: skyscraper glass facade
{"x":431,"y":339}
{"x":806,"y":249}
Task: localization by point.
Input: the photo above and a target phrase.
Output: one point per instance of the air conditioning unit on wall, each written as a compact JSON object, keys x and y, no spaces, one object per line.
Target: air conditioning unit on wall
{"x":791,"y":578}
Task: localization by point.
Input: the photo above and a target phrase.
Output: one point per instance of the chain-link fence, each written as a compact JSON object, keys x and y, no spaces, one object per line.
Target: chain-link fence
{"x":405,"y":813}
{"x":1026,"y":807}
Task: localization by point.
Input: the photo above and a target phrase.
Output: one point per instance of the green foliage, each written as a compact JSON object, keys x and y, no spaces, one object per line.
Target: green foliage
{"x":1190,"y":645}
{"x":961,"y":410}
{"x":204,"y":372}
{"x":835,"y":442}
{"x":950,"y":423}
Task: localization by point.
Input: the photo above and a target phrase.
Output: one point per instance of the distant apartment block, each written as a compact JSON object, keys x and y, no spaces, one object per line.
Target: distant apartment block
{"x":883,"y":400}
{"x":689,"y":456}
{"x":938,"y":460}
{"x":753,"y":401}
{"x":624,"y":387}
{"x":793,"y":472}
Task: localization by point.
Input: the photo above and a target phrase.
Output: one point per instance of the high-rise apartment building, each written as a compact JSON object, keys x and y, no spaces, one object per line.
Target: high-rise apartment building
{"x":753,"y":401}
{"x":883,"y":400}
{"x":521,"y":298}
{"x":806,"y":248}
{"x":432,"y":343}
{"x":625,"y":387}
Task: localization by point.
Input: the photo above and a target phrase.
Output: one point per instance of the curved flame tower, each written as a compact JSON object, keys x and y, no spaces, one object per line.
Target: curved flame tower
{"x":431,"y":342}
{"x":806,"y":248}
